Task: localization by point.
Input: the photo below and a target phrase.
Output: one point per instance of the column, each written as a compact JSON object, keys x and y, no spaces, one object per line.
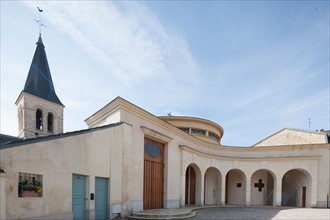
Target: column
{"x":200,"y":194}
{"x":278,"y":191}
{"x":223,"y":190}
{"x":248,"y":191}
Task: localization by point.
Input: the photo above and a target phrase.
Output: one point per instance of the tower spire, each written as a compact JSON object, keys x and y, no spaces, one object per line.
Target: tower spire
{"x":40,"y":111}
{"x":39,"y":80}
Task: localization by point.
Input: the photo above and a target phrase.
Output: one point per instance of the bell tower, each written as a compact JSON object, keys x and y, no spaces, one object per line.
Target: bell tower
{"x":40,"y":111}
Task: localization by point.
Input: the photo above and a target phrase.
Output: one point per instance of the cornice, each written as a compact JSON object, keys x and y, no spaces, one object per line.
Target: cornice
{"x":194,"y":119}
{"x":120,"y":103}
{"x":36,"y":97}
{"x":277,"y":147}
{"x":155,"y":134}
{"x":231,"y":158}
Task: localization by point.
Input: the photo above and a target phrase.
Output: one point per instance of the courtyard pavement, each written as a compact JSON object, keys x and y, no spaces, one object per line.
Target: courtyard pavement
{"x":251,"y":213}
{"x":264,"y":213}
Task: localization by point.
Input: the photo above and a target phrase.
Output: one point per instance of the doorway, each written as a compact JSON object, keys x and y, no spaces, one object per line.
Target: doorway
{"x":303,"y":197}
{"x":153,"y":186}
{"x":190,"y":195}
{"x":101,"y":198}
{"x":79,"y":197}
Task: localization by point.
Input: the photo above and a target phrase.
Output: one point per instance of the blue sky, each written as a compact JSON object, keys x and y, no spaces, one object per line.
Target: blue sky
{"x":253,"y":67}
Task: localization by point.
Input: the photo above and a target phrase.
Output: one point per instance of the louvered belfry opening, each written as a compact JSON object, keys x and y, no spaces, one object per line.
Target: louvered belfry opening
{"x":153,"y":190}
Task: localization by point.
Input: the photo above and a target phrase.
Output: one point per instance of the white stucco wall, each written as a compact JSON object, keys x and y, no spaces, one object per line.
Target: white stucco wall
{"x":93,"y":154}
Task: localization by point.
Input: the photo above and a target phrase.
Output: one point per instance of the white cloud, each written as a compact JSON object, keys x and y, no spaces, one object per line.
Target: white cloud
{"x":129,"y":49}
{"x":126,"y":38}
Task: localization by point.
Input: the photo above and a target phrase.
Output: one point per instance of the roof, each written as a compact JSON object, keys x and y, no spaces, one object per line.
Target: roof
{"x":21,"y":142}
{"x":299,"y":138}
{"x":39,"y":80}
{"x":4,"y":138}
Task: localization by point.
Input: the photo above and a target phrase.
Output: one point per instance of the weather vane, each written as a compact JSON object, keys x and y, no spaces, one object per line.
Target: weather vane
{"x":39,"y":21}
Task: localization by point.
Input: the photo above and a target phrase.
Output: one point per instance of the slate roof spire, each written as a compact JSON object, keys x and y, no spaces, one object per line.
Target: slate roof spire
{"x":39,"y":80}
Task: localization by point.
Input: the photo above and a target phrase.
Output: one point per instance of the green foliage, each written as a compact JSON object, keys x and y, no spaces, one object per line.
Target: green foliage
{"x":26,"y":185}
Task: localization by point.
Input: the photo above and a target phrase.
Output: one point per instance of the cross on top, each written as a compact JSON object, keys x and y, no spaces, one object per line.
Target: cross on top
{"x":39,"y":21}
{"x":259,"y":185}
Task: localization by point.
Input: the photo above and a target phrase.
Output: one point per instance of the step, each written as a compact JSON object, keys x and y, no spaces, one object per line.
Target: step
{"x":164,"y":215}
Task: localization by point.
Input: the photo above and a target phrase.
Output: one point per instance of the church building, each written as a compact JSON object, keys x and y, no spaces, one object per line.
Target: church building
{"x":129,"y":160}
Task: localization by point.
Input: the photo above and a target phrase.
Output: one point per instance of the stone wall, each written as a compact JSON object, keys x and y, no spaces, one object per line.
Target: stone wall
{"x":293,"y":137}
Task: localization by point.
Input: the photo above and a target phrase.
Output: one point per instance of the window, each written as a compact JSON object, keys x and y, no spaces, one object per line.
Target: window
{"x":29,"y":185}
{"x":152,"y":149}
{"x":39,"y":123}
{"x":198,"y":131}
{"x":50,"y":122}
{"x":185,"y":130}
{"x":214,"y":136}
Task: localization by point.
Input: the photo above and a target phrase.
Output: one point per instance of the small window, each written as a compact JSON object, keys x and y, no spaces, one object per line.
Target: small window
{"x":29,"y":185}
{"x":39,"y":120}
{"x":185,"y":130}
{"x":198,"y":131}
{"x":152,"y":149}
{"x":50,"y":122}
{"x":214,"y":136}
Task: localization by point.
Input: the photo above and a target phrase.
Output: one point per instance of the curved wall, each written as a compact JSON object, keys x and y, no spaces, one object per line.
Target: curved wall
{"x":200,"y":128}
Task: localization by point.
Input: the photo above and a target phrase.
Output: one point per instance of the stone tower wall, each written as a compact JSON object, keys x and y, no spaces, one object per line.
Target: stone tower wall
{"x":27,"y":106}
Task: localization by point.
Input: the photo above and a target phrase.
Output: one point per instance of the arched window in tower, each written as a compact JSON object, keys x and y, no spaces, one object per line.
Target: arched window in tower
{"x":50,"y":122}
{"x":39,"y":122}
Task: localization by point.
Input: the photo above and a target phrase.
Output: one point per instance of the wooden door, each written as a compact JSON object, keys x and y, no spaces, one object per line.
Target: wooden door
{"x":153,"y":190}
{"x":190,"y":186}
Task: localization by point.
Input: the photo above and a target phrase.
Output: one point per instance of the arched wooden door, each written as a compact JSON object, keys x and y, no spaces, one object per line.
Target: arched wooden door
{"x":153,"y":190}
{"x":190,"y":186}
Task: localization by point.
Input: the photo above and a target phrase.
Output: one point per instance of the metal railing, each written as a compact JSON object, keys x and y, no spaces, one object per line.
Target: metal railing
{"x":289,"y":198}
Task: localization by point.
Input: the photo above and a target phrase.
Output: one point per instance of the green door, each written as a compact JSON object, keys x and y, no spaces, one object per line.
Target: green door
{"x":79,"y":197}
{"x":101,"y":198}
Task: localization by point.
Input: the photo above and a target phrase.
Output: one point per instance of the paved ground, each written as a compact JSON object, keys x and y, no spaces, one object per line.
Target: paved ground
{"x":254,"y":213}
{"x":265,"y":213}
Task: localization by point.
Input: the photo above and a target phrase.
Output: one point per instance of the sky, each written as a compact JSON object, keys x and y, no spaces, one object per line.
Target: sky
{"x":253,"y":67}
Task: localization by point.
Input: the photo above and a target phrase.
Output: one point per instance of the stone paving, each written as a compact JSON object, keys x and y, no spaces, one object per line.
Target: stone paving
{"x":264,"y":213}
{"x":247,"y":213}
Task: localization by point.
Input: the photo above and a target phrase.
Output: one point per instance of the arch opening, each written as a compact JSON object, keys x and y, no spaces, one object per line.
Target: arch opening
{"x":296,"y":188}
{"x":212,"y":186}
{"x":235,"y":187}
{"x":50,"y":122}
{"x":39,"y":119}
{"x":262,"y":188}
{"x":193,"y":185}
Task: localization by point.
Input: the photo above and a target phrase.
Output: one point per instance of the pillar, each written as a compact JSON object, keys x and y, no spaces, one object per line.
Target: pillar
{"x":278,"y":191}
{"x":200,"y":193}
{"x":248,"y":191}
{"x":223,"y":190}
